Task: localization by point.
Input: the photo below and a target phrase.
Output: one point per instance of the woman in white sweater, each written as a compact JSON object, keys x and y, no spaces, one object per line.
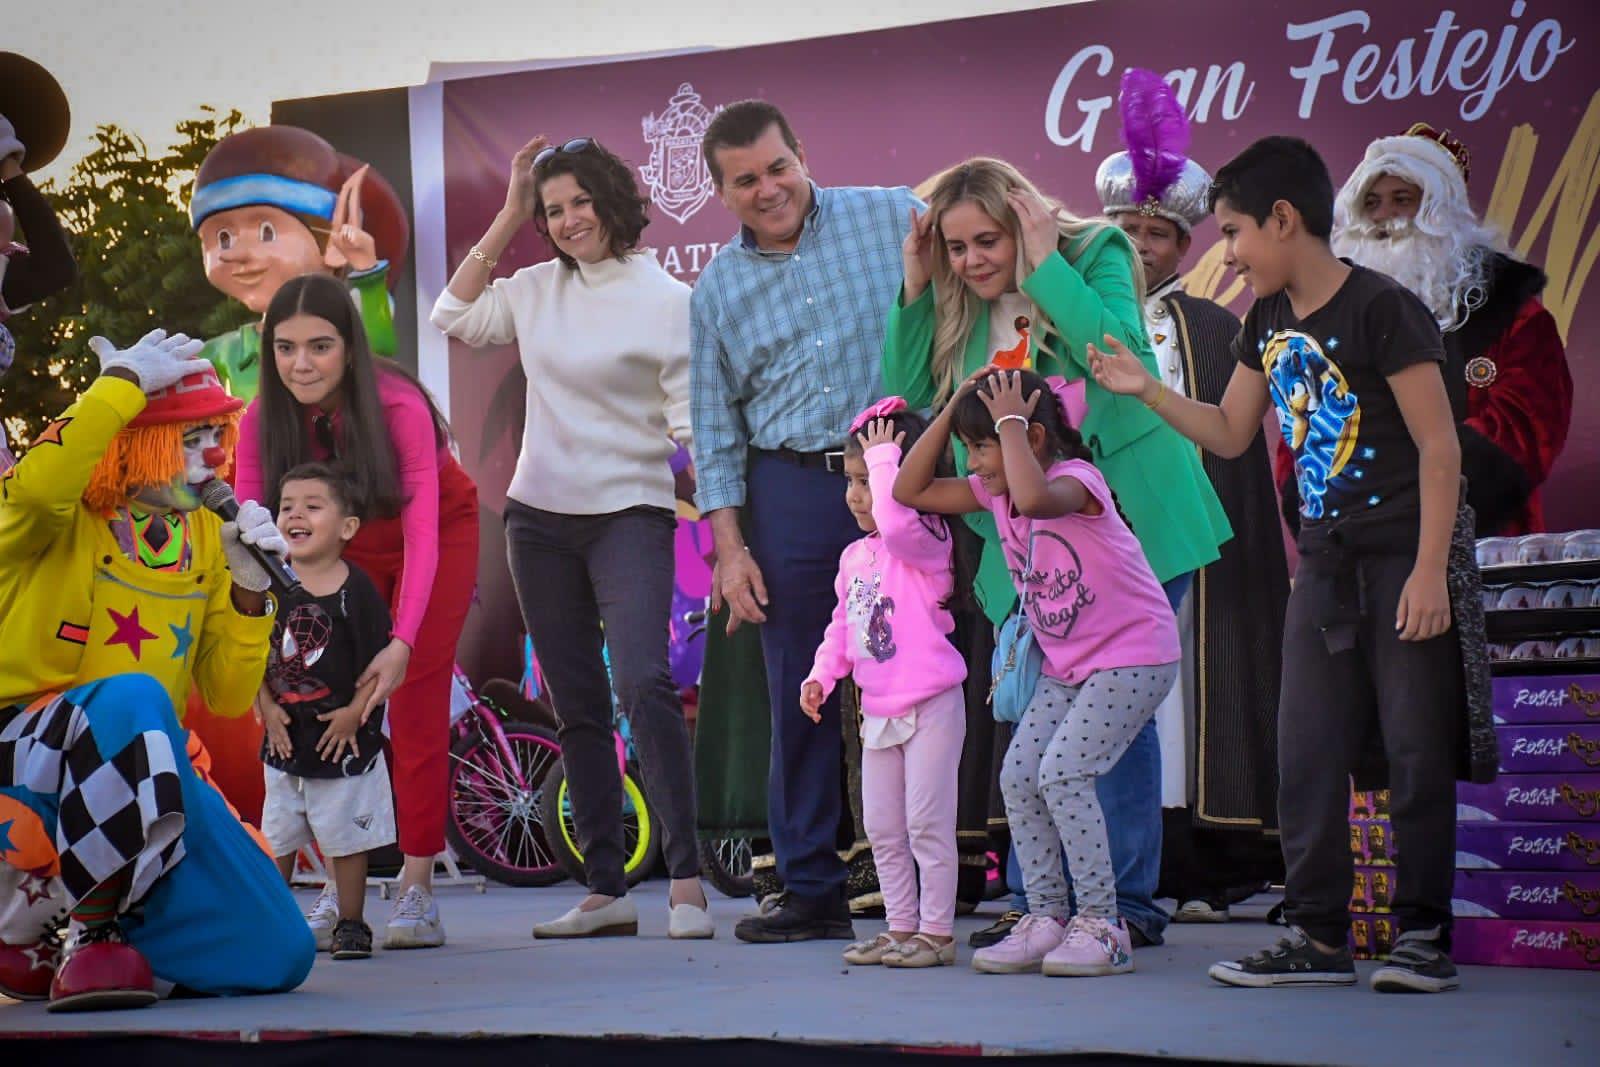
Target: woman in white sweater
{"x":590,"y":514}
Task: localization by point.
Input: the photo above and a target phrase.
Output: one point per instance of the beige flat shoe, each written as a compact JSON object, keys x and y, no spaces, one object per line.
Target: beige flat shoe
{"x":616,"y":919}
{"x":920,"y":950}
{"x":870,"y":951}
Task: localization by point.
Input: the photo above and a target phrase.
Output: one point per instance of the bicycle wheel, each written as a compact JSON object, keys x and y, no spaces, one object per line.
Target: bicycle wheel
{"x":640,"y":836}
{"x":494,"y":825}
{"x":727,"y":863}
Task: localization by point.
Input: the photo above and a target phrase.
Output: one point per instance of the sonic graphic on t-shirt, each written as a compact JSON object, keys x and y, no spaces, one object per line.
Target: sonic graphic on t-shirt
{"x":1318,"y":413}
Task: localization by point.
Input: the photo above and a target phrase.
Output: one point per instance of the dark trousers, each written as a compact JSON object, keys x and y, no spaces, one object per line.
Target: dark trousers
{"x":1409,"y":690}
{"x":798,"y":527}
{"x":573,"y":574}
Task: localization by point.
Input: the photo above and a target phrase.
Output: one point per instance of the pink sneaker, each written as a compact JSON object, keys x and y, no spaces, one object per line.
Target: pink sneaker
{"x":1093,"y":947}
{"x":1024,"y":949}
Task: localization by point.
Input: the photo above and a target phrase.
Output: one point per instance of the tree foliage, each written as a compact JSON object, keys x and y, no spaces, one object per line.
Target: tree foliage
{"x":139,"y":267}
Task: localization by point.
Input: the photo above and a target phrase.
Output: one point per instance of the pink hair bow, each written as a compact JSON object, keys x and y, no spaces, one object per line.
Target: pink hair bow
{"x":882,"y":409}
{"x":1073,"y":398}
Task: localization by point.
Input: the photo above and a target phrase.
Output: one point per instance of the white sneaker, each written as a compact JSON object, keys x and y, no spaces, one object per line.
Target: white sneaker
{"x":324,"y":916}
{"x":414,"y":922}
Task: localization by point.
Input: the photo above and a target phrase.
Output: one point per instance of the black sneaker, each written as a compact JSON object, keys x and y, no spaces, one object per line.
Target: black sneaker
{"x":1294,"y":960}
{"x":1416,"y":965}
{"x":993,"y":935}
{"x":352,"y":940}
{"x":799,"y":918}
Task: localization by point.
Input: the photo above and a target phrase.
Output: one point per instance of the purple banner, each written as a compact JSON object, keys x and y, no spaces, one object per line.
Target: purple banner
{"x":1509,"y":77}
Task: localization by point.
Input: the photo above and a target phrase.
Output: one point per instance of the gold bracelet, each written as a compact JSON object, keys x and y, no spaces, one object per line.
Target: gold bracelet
{"x":477,"y":253}
{"x":1160,"y":397}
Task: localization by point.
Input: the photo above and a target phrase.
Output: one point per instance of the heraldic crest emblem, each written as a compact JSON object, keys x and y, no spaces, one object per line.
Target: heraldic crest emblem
{"x":676,"y":174}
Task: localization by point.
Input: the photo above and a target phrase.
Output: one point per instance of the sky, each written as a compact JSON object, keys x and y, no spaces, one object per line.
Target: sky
{"x":147,"y":64}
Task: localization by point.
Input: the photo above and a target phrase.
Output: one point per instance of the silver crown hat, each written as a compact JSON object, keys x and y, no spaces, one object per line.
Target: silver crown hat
{"x":1183,"y":202}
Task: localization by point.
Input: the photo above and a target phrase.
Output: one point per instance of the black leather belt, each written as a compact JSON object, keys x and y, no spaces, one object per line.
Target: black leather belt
{"x":830,"y":461}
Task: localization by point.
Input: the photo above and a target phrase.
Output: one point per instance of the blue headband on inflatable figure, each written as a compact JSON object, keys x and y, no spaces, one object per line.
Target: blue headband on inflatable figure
{"x":274,"y":190}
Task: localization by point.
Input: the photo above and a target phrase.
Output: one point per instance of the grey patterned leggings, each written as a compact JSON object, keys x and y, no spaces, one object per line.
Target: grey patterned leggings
{"x":1068,"y":737}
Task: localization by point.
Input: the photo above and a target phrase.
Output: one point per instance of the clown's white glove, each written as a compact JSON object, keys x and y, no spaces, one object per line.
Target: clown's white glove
{"x":9,"y":145}
{"x":156,"y":360}
{"x":253,"y":526}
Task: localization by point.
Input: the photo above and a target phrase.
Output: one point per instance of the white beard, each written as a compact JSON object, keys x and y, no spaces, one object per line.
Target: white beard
{"x":1446,"y":271}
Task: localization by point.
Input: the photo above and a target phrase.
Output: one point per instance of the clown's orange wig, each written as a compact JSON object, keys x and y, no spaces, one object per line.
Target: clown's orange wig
{"x":149,"y":456}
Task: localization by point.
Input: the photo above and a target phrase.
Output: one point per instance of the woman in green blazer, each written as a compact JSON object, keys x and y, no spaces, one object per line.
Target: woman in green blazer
{"x":1014,"y":277}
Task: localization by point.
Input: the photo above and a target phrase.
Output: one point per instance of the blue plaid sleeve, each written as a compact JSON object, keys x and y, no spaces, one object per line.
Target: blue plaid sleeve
{"x":716,"y":413}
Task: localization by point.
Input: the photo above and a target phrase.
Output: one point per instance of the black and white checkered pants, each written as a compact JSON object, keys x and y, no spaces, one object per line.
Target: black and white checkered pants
{"x":99,"y":767}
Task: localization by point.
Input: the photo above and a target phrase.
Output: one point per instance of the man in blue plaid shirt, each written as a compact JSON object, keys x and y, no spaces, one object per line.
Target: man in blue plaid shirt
{"x":786,"y":336}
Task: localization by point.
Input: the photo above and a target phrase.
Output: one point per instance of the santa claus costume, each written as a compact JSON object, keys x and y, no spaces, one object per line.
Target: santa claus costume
{"x":1505,"y":364}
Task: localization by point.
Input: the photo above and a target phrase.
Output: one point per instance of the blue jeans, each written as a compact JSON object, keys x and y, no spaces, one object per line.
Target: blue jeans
{"x":1130,"y":798}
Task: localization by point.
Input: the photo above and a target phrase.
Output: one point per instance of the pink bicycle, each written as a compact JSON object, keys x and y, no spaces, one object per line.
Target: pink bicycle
{"x":498,"y":769}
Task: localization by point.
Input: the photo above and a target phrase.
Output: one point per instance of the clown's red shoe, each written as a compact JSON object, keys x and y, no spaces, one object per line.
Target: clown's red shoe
{"x":27,"y":970}
{"x":100,"y":971}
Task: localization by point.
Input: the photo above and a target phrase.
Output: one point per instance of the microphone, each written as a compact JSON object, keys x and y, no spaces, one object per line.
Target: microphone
{"x":218,"y":497}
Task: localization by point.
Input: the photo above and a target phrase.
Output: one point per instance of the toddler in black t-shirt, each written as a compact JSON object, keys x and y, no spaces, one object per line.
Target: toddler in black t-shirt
{"x":326,"y":779}
{"x":1351,"y":361}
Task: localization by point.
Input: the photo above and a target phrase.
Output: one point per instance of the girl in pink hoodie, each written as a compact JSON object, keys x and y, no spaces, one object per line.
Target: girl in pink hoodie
{"x":1109,"y":643}
{"x":890,"y":631}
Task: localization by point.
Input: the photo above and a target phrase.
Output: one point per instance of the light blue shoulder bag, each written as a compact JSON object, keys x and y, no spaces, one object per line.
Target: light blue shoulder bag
{"x":1018,"y":660}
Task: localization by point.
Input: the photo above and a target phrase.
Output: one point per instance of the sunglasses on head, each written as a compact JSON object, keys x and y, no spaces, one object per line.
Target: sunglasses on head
{"x":577,"y":144}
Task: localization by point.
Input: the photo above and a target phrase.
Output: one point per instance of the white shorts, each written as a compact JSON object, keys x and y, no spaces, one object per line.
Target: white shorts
{"x":344,"y":816}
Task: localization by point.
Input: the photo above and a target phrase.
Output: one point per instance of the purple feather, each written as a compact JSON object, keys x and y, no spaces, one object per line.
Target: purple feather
{"x":1155,"y":130}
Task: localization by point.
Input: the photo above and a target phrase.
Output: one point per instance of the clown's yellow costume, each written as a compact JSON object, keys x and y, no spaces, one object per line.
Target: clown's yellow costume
{"x":116,"y":596}
{"x":74,"y":607}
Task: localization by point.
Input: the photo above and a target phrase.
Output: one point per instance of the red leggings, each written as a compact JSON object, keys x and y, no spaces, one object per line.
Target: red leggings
{"x":419,"y":711}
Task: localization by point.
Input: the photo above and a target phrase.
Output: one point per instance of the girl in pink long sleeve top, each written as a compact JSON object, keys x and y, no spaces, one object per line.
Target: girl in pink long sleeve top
{"x":421,"y":463}
{"x":890,"y":632}
{"x":324,"y":397}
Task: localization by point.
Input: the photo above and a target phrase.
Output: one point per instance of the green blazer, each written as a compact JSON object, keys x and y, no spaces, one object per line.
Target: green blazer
{"x":1087,"y":292}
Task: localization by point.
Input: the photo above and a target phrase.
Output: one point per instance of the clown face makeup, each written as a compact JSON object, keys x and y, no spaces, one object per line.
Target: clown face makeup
{"x":203,"y":457}
{"x":251,"y":251}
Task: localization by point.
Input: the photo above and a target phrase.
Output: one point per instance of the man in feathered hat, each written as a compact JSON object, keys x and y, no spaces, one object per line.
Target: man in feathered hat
{"x":34,"y":120}
{"x":1218,"y":728}
{"x":1405,"y":212}
{"x":276,"y":202}
{"x":117,"y":594}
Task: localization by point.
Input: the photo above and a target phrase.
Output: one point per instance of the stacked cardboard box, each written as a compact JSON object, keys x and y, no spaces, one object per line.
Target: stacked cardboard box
{"x":1372,"y":926}
{"x":1527,"y":890}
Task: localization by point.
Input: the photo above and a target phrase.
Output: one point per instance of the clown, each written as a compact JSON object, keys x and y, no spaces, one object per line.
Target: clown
{"x":277,"y":202}
{"x":1405,"y":212}
{"x":116,"y":596}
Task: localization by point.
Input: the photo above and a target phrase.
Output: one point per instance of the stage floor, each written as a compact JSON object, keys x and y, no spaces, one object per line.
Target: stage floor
{"x":493,"y":980}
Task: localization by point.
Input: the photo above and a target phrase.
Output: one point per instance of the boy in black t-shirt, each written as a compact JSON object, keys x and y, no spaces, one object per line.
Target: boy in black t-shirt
{"x":326,"y":776}
{"x":1351,"y":361}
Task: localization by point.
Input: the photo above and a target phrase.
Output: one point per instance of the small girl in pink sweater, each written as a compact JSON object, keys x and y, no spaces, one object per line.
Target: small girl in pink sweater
{"x":890,"y":631}
{"x":1110,"y":649}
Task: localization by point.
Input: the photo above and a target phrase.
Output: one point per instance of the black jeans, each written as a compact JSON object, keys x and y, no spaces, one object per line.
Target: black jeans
{"x":574,"y":573}
{"x":1412,"y":692}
